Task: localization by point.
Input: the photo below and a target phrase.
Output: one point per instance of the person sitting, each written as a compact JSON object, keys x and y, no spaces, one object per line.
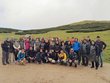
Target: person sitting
{"x":62,"y":58}
{"x":30,"y":55}
{"x":40,"y":57}
{"x":52,"y":57}
{"x":21,"y":57}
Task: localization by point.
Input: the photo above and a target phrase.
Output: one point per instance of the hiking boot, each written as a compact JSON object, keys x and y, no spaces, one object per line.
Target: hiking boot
{"x":101,"y":66}
{"x":4,"y":64}
{"x":96,"y":68}
{"x":92,"y":67}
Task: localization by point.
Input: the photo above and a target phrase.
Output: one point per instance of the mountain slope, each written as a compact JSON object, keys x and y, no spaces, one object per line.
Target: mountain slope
{"x":83,"y":26}
{"x":7,"y":30}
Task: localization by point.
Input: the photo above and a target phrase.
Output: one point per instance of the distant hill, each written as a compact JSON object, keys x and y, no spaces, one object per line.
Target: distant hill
{"x":82,"y":26}
{"x":7,"y":30}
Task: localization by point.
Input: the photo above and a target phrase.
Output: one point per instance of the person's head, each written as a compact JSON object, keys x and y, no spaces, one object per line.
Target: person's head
{"x":41,"y":50}
{"x":76,"y":39}
{"x":84,"y":41}
{"x":61,"y":51}
{"x":46,"y":51}
{"x":57,"y":42}
{"x":37,"y":39}
{"x":31,"y":48}
{"x":27,"y":39}
{"x":62,"y":43}
{"x":71,"y":50}
{"x":46,"y":40}
{"x":52,"y":50}
{"x":21,"y":38}
{"x":32,"y":38}
{"x":81,"y":41}
{"x":98,"y":38}
{"x":92,"y":42}
{"x":69,"y":42}
{"x":43,"y":40}
{"x":22,"y":50}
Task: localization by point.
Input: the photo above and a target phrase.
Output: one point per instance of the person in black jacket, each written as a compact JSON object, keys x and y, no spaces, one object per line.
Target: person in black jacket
{"x":5,"y":52}
{"x":11,"y":51}
{"x":57,"y":47}
{"x":68,"y":47}
{"x":30,"y":55}
{"x":100,"y":47}
{"x":46,"y":46}
{"x":52,"y":57}
{"x":40,"y":57}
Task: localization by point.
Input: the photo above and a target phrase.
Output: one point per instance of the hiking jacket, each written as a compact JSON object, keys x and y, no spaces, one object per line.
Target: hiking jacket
{"x":76,"y":46}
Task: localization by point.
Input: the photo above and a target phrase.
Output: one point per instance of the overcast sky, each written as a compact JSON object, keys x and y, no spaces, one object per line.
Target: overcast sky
{"x":37,"y":14}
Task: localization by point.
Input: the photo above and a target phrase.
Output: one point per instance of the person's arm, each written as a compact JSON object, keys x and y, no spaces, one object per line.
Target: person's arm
{"x":65,"y":57}
{"x":79,"y":45}
{"x":18,"y":56}
{"x":19,"y":47}
{"x":104,"y":45}
{"x":34,"y":46}
{"x":73,"y":46}
{"x":14,"y":47}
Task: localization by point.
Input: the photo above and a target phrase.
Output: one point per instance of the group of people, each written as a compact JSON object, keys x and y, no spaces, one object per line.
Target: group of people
{"x":54,"y":50}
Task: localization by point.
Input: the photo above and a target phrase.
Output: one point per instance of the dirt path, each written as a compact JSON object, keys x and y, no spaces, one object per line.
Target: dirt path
{"x":47,"y":73}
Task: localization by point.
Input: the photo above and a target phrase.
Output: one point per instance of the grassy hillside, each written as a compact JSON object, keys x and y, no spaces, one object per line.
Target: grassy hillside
{"x":83,"y":26}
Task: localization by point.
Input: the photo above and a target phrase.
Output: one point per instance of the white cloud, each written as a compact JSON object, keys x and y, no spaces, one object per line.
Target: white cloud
{"x":28,"y":14}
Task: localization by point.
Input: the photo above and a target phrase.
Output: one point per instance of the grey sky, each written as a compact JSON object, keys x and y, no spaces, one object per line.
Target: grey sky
{"x":37,"y":14}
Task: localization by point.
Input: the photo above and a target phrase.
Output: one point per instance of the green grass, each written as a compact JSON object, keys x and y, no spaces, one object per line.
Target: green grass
{"x":105,"y":36}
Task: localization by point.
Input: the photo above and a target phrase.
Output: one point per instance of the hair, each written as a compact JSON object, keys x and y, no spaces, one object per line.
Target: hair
{"x":98,"y":36}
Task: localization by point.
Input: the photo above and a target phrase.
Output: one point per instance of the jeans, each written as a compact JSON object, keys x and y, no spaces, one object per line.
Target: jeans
{"x":101,"y":59}
{"x":78,"y":56}
{"x":5,"y":57}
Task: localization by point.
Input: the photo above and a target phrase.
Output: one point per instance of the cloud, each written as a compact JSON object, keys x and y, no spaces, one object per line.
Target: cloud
{"x":36,"y":14}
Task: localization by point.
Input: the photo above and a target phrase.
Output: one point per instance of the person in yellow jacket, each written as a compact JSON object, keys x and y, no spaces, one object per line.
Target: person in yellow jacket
{"x":62,"y":57}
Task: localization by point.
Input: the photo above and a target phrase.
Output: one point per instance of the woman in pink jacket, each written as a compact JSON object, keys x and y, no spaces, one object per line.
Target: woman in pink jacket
{"x":27,"y":44}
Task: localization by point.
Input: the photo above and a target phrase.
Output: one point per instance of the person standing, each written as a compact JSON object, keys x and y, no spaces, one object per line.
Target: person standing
{"x":76,"y":47}
{"x":100,"y":47}
{"x":84,"y":53}
{"x":16,"y":46}
{"x":5,"y":52}
{"x":11,"y":51}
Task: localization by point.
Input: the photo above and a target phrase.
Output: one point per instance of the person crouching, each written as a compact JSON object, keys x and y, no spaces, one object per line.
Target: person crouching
{"x":52,"y":57}
{"x":62,"y":58}
{"x":30,"y":55}
{"x":72,"y":58}
{"x":40,"y":57}
{"x":21,"y":57}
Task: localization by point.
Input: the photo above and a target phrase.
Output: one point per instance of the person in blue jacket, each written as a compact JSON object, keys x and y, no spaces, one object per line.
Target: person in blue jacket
{"x":76,"y":47}
{"x":21,"y":57}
